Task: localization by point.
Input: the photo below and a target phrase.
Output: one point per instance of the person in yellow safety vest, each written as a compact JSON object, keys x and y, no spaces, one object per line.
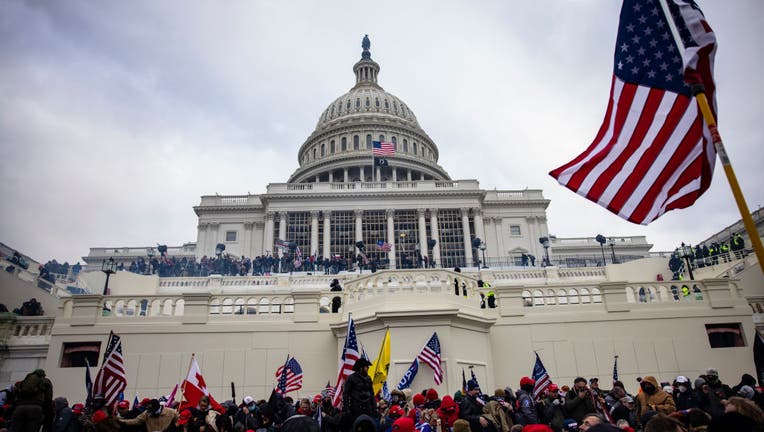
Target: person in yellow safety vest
{"x":725,"y":249}
{"x":491,"y":299}
{"x":685,"y":290}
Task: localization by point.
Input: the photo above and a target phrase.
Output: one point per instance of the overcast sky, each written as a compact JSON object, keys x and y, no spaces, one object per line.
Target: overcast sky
{"x":115,"y":117}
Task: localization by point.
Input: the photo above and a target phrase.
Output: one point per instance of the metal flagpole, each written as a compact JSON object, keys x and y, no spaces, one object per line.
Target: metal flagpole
{"x":700,"y":95}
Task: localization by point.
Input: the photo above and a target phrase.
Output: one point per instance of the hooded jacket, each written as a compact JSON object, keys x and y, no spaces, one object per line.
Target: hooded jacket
{"x":659,"y":401}
{"x":448,"y":412}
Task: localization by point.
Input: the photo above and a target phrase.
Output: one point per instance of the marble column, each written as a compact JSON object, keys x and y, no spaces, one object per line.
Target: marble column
{"x":395,"y":174}
{"x":268,"y":234}
{"x":363,"y":175}
{"x":201,"y":239}
{"x":390,"y":213}
{"x":467,"y":238}
{"x":247,"y":242}
{"x":345,"y":175}
{"x":282,"y":229}
{"x":500,"y":237}
{"x":317,"y":178}
{"x":212,"y":237}
{"x":422,"y":233}
{"x":331,"y":177}
{"x":313,"y":232}
{"x":479,"y":229}
{"x":327,"y":233}
{"x":408,"y":174}
{"x":492,"y":242}
{"x":435,"y":236}
{"x":379,"y":174}
{"x":358,"y":227}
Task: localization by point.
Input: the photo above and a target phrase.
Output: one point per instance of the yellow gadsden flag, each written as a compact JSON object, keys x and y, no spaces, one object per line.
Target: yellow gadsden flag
{"x":380,"y":367}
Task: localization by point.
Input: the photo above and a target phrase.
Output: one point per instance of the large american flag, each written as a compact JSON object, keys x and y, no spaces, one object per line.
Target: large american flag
{"x":290,"y":377}
{"x":111,"y":379}
{"x":349,"y":356}
{"x":540,"y":376}
{"x":430,"y":355}
{"x":380,"y":148}
{"x":653,"y":152}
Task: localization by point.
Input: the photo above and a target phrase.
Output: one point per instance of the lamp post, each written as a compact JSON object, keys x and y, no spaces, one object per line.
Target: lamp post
{"x":601,"y":240}
{"x":612,"y":249}
{"x":686,"y":251}
{"x":150,"y":254}
{"x":482,"y":249}
{"x":109,"y":267}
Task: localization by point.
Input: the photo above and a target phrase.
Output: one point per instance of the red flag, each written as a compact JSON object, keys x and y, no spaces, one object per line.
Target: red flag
{"x":653,"y":152}
{"x":194,"y":387}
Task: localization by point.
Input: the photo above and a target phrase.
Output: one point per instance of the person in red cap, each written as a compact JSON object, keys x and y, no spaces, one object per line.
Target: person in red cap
{"x":124,"y":412}
{"x":182,"y":424}
{"x":448,"y":412}
{"x":403,"y":424}
{"x":526,"y":406}
{"x":553,"y":403}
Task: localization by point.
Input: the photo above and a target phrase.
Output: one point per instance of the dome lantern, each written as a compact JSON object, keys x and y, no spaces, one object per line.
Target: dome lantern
{"x":366,"y":70}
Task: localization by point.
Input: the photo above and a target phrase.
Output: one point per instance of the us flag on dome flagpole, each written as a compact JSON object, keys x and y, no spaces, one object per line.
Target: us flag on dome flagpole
{"x":430,"y":355}
{"x":653,"y":152}
{"x":290,"y":376}
{"x":349,"y":356}
{"x":111,"y":379}
{"x":540,"y":376}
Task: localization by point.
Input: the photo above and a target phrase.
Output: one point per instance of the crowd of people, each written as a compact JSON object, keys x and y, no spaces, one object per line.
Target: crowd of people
{"x":703,"y":255}
{"x":229,"y":265}
{"x":705,"y":404}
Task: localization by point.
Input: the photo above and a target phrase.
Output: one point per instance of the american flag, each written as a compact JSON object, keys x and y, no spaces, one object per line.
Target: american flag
{"x":347,"y":360}
{"x":430,"y":355}
{"x":653,"y":152}
{"x":328,"y":390}
{"x":380,"y":148}
{"x":111,"y":379}
{"x":540,"y":376}
{"x":290,"y":377}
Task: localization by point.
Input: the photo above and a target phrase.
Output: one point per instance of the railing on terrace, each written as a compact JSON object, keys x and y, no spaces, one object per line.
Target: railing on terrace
{"x":423,"y":288}
{"x":564,"y":261}
{"x":420,"y":185}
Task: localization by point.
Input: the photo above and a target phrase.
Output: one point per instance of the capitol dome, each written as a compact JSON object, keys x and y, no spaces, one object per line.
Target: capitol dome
{"x":340,"y":148}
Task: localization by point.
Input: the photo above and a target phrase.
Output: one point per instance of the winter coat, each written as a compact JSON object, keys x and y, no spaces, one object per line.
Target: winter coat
{"x":577,"y":407}
{"x":358,"y":395}
{"x":526,"y":409}
{"x":448,"y":412}
{"x":497,"y":416}
{"x":659,"y":401}
{"x":154,"y":423}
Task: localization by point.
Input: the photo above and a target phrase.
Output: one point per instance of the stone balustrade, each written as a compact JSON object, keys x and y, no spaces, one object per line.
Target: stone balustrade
{"x":308,"y":298}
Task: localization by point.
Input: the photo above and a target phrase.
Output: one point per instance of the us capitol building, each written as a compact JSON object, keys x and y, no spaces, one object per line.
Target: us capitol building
{"x":577,"y":313}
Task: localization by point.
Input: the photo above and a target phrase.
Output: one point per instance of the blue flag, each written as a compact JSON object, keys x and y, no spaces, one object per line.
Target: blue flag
{"x":88,"y":385}
{"x":386,"y":392}
{"x":408,"y":377}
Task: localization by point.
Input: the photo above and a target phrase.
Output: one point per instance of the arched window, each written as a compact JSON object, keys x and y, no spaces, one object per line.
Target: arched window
{"x":538,"y":298}
{"x":344,"y":144}
{"x":387,"y":105}
{"x":527,"y":299}
{"x":356,"y":142}
{"x":405,"y":146}
{"x":357,"y":103}
{"x":323,"y":149}
{"x":348,"y":105}
{"x":314,"y":154}
{"x":376,"y":102}
{"x":573,"y":296}
{"x":368,"y":103}
{"x":395,"y":107}
{"x":395,"y":143}
{"x":252,"y":303}
{"x":550,"y":297}
{"x":414,"y":148}
{"x":332,"y":113}
{"x":585,"y":298}
{"x":331,"y":146}
{"x":562,"y":297}
{"x":368,"y":141}
{"x":596,"y":296}
{"x":381,"y":138}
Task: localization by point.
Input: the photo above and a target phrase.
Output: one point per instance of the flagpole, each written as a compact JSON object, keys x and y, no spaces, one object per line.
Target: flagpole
{"x":698,"y":91}
{"x":185,"y":380}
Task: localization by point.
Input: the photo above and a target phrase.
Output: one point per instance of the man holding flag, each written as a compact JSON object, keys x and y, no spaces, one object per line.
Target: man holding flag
{"x":358,"y":393}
